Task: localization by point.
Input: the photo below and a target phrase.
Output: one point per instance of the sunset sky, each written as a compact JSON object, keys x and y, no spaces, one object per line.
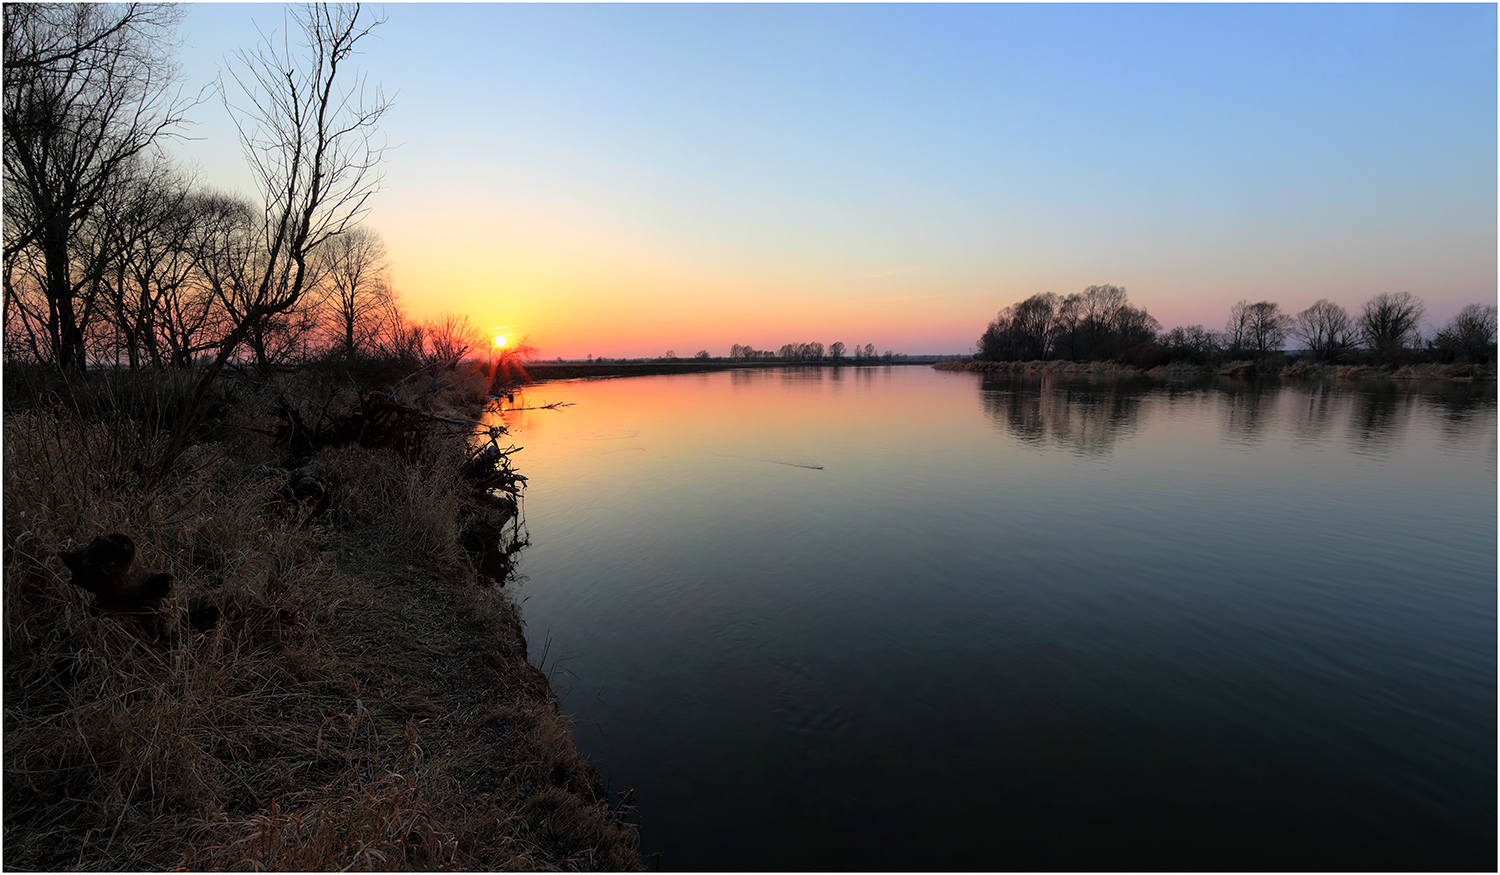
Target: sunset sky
{"x":621,"y":180}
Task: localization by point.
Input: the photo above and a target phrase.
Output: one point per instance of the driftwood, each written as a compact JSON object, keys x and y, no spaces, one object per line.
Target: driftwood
{"x":379,"y":421}
{"x":553,"y":406}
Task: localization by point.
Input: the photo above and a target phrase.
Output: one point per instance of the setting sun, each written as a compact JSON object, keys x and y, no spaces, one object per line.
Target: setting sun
{"x":499,"y":340}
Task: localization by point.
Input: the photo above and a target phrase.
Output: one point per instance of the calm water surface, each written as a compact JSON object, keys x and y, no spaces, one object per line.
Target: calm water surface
{"x":894,"y":618}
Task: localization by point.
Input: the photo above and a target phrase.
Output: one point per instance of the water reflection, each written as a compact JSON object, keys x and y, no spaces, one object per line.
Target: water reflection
{"x":1082,"y":416}
{"x":1466,"y":419}
{"x":1314,"y":415}
{"x":1090,"y":416}
{"x":788,"y":375}
{"x":808,"y":375}
{"x":1248,"y":410}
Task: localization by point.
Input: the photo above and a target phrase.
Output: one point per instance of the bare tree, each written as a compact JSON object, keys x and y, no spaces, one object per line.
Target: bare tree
{"x":1034,"y":326}
{"x":1390,"y":323}
{"x":1193,"y":343}
{"x":26,"y":337}
{"x":308,"y":131}
{"x":450,"y":337}
{"x":1325,"y":330}
{"x":1470,"y":337}
{"x":836,"y":350}
{"x":402,"y":339}
{"x":226,"y":258}
{"x":87,"y":90}
{"x":148,"y":225}
{"x":1237,"y":329}
{"x":360,"y":302}
{"x":1256,"y":329}
{"x":1133,"y":327}
{"x":1086,"y":320}
{"x":1268,"y":328}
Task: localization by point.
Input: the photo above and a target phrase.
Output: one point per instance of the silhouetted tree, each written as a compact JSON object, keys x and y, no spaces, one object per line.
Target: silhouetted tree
{"x":308,"y":133}
{"x":450,"y":337}
{"x":87,"y":92}
{"x":836,"y":350}
{"x":702,"y":354}
{"x":1097,"y":323}
{"x":226,"y":258}
{"x":1390,"y":324}
{"x":1469,"y":337}
{"x":1325,"y":330}
{"x":997,"y":343}
{"x":145,"y":226}
{"x":1086,"y":321}
{"x":1268,"y":328}
{"x":360,"y":302}
{"x":1256,"y":329}
{"x":1237,"y":329}
{"x":1193,"y":343}
{"x":1133,"y":329}
{"x":235,"y":267}
{"x":1033,"y":325}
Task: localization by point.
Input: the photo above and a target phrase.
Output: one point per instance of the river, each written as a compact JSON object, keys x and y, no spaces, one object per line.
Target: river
{"x":895,"y":618}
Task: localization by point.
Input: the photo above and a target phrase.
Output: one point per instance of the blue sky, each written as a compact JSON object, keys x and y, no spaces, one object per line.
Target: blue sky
{"x":624,"y":179}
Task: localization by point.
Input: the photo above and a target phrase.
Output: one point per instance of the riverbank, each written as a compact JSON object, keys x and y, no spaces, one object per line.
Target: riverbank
{"x":1301,"y":370}
{"x":335,"y":680}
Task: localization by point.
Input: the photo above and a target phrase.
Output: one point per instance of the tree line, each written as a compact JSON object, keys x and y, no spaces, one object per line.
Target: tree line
{"x":1100,"y":324}
{"x":113,"y":255}
{"x":811,"y":352}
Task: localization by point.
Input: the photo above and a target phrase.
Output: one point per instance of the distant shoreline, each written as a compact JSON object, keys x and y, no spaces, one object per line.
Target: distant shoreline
{"x":541,"y":372}
{"x":1240,"y":369}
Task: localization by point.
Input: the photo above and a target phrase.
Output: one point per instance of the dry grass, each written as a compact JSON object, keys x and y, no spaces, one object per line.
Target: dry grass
{"x":361,"y":702}
{"x":1455,"y":372}
{"x":1458,"y":372}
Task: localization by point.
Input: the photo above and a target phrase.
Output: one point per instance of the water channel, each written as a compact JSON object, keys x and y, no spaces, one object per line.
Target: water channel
{"x":895,"y":618}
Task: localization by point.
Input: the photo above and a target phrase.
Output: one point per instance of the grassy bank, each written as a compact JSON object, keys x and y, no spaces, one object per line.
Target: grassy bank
{"x":335,"y":680}
{"x":1299,"y":370}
